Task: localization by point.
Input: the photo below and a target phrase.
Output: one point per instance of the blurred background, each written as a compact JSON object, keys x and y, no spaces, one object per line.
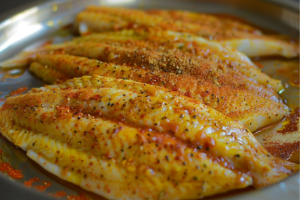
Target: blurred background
{"x":11,"y":5}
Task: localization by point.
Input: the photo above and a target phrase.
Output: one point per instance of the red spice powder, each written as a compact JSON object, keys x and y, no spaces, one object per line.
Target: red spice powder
{"x":293,"y":119}
{"x":31,"y":181}
{"x":19,"y":91}
{"x":259,"y":65}
{"x":80,"y":197}
{"x":1,"y":151}
{"x":283,"y":150}
{"x":44,"y":186}
{"x":13,"y":173}
{"x":2,"y":99}
{"x":58,"y":194}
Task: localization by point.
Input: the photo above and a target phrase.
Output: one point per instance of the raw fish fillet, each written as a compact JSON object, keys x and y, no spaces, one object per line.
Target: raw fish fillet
{"x":251,"y":104}
{"x":124,"y":139}
{"x":220,"y":77}
{"x":231,"y":33}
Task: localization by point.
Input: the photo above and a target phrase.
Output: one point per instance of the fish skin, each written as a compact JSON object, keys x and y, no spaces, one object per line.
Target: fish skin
{"x":252,"y":44}
{"x":252,"y":107}
{"x":107,"y":136}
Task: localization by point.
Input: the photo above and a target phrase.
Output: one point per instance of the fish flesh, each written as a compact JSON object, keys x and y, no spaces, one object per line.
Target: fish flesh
{"x":230,"y":33}
{"x":130,"y":140}
{"x":220,"y":77}
{"x":251,"y":104}
{"x":161,"y":41}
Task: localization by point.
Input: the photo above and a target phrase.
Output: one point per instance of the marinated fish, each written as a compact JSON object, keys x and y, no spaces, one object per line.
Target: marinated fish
{"x":250,"y":103}
{"x":252,"y":43}
{"x":185,"y":46}
{"x":220,"y":77}
{"x":124,"y":139}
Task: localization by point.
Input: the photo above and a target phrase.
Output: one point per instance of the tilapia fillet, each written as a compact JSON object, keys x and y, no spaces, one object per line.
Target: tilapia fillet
{"x":250,"y":103}
{"x":185,"y":46}
{"x":123,"y":139}
{"x":220,"y":77}
{"x":99,"y":19}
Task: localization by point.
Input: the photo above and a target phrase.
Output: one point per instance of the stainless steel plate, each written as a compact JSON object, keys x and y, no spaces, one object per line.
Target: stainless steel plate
{"x":48,"y":21}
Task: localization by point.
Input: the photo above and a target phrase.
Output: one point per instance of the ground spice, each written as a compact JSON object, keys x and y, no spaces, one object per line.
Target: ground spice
{"x":13,"y":173}
{"x":59,"y":194}
{"x":291,"y":122}
{"x":1,"y":151}
{"x":18,"y":91}
{"x":44,"y":186}
{"x":31,"y":181}
{"x":80,"y":197}
{"x":2,"y":99}
{"x":283,"y":150}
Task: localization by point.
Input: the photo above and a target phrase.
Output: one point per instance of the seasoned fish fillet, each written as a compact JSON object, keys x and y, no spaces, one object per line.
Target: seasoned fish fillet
{"x":250,"y":103}
{"x":224,"y":24}
{"x":220,"y":77}
{"x":124,"y":139}
{"x":99,"y":19}
{"x":203,"y":51}
{"x":195,"y":49}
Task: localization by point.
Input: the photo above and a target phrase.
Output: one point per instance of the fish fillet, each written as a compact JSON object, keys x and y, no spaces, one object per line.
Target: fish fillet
{"x":99,"y":19}
{"x":124,"y":139}
{"x":220,"y":77}
{"x":250,"y":103}
{"x":168,"y":42}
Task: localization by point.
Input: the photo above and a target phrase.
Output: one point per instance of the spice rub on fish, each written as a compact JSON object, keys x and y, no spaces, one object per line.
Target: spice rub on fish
{"x":231,"y":33}
{"x":221,"y":78}
{"x":176,"y":45}
{"x":252,"y":106}
{"x":125,"y":139}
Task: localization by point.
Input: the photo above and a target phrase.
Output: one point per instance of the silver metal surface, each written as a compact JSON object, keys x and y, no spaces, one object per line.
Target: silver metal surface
{"x":44,"y":22}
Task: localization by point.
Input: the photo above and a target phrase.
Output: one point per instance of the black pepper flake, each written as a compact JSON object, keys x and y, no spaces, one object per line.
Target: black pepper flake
{"x":207,"y":148}
{"x":184,"y":163}
{"x":195,"y":178}
{"x":75,"y":131}
{"x":167,"y":158}
{"x":237,"y":155}
{"x":199,"y":147}
{"x":186,"y":130}
{"x":33,"y":144}
{"x":181,"y":116}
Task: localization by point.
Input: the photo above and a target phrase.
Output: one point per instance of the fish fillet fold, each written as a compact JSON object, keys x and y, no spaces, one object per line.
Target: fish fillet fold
{"x":129,"y":140}
{"x":252,"y":43}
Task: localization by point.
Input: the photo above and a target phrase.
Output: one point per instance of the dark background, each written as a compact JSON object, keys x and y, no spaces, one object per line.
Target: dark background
{"x":8,"y":6}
